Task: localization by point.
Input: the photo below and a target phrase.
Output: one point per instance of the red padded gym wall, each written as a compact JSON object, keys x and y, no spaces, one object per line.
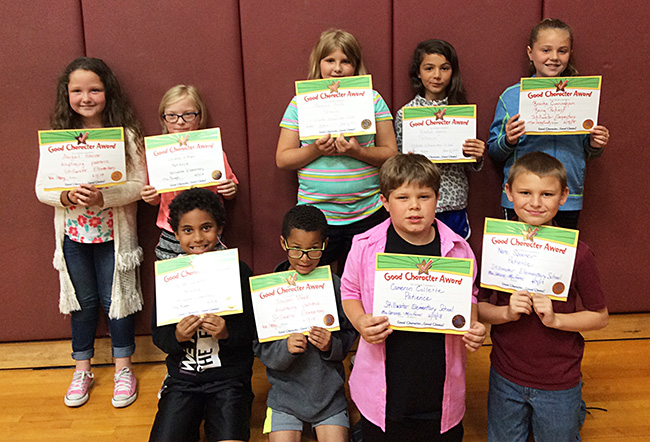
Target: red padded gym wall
{"x":154,"y":47}
{"x":246,"y":76}
{"x":277,"y":38}
{"x":36,"y":47}
{"x":612,"y":40}
{"x":490,"y":41}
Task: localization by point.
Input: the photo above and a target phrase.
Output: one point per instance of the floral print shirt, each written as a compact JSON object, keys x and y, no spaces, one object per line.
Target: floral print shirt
{"x":89,"y":224}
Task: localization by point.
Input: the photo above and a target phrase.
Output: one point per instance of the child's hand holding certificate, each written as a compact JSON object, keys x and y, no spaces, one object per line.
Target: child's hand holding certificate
{"x":336,"y":106}
{"x":518,"y":256}
{"x":198,"y":284}
{"x":424,"y":293}
{"x":183,"y":160}
{"x":438,"y":132}
{"x":559,"y":105}
{"x":69,"y":158}
{"x":288,"y":302}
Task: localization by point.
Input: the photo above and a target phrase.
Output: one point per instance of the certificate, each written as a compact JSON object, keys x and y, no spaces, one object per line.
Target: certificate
{"x":559,"y":105}
{"x":288,"y":302}
{"x":183,"y":160}
{"x":335,"y":106}
{"x":518,"y":256}
{"x":198,"y":284}
{"x":438,"y":132}
{"x":424,"y":293}
{"x":69,"y":158}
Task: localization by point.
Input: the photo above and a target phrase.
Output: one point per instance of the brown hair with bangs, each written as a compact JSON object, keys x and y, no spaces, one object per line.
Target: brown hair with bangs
{"x":408,"y":168}
{"x":330,"y":41}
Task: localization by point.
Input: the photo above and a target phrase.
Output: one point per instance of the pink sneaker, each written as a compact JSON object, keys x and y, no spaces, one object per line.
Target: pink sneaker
{"x":77,"y":394}
{"x":125,"y":392}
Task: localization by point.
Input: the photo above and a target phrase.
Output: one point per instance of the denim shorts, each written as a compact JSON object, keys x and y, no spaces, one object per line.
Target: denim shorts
{"x":279,"y":421}
{"x":551,"y":415}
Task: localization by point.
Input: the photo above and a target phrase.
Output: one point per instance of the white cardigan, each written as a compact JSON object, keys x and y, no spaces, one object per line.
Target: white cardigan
{"x":127,"y":294}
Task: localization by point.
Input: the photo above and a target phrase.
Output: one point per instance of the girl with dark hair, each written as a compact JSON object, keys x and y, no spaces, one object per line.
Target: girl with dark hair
{"x":436,"y":80}
{"x":97,"y":252}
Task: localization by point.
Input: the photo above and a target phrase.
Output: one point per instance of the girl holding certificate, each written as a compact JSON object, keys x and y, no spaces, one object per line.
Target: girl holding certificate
{"x":551,"y":55}
{"x":97,"y":253}
{"x":338,"y":175}
{"x":436,"y":80}
{"x":182,"y":109}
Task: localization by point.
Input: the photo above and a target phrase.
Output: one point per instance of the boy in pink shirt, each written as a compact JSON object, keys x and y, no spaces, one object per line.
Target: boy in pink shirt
{"x":408,"y":386}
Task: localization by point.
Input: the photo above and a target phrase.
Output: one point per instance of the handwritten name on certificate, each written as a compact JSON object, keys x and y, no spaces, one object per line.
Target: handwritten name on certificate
{"x":438,"y":132}
{"x":424,"y":293}
{"x":69,"y":158}
{"x":335,"y":106}
{"x":518,"y":256}
{"x":198,"y":284}
{"x":183,"y":160}
{"x":559,"y":105}
{"x":288,"y":302}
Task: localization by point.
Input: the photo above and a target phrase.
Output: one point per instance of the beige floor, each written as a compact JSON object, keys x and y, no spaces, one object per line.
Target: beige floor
{"x":616,"y":371}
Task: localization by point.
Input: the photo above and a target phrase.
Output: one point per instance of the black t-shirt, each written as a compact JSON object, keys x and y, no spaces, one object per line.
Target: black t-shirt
{"x":415,"y":362}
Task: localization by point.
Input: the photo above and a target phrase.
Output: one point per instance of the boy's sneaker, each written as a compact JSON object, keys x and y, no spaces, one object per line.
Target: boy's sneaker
{"x":124,"y":393}
{"x":77,"y":394}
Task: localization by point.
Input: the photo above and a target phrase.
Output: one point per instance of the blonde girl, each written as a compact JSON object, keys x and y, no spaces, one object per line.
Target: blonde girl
{"x":97,"y":253}
{"x":182,"y":109}
{"x":338,"y":175}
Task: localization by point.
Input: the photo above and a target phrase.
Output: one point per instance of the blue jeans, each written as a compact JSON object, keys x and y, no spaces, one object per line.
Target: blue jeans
{"x":514,"y":411}
{"x":91,"y":269}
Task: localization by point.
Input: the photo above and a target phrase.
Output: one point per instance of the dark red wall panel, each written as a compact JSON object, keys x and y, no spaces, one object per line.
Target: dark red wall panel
{"x":36,"y":47}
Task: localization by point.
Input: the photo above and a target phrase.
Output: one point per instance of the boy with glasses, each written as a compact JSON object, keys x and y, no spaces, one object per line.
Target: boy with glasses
{"x":306,"y":372}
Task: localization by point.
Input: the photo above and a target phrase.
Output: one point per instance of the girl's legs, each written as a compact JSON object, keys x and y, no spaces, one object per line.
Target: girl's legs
{"x":81,"y":268}
{"x":122,"y":330}
{"x":79,"y":261}
{"x":91,"y":269}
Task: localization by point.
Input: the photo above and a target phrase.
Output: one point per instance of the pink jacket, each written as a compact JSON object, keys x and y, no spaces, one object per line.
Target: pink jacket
{"x":368,"y":378}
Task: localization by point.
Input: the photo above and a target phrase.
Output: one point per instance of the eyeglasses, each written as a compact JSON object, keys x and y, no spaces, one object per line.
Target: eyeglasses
{"x":295,"y":253}
{"x":187,"y":117}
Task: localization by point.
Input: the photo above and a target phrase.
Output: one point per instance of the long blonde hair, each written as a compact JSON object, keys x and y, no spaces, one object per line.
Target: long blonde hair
{"x":330,"y":41}
{"x":177,"y":93}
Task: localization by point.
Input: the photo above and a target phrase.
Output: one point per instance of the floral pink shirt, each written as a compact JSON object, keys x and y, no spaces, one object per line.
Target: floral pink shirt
{"x":89,"y":224}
